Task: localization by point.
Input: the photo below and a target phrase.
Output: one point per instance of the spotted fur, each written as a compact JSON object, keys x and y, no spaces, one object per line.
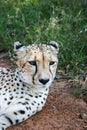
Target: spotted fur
{"x":24,"y":91}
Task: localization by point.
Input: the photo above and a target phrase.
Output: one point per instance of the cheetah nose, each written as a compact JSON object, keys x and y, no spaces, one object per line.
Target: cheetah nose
{"x":43,"y":81}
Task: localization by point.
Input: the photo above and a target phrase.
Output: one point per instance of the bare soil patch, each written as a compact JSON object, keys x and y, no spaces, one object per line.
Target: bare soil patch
{"x":62,"y":111}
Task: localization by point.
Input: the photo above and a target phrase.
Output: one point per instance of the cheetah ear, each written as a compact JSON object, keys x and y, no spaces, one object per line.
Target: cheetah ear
{"x":18,"y":46}
{"x":54,"y":44}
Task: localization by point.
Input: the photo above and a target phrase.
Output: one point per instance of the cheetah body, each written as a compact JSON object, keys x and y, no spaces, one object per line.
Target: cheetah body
{"x":24,"y":91}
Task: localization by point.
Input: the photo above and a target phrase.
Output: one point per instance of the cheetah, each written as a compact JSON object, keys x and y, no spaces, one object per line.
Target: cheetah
{"x":24,"y":90}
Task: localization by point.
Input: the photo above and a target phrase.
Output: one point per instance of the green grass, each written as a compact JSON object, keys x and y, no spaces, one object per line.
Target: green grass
{"x":80,"y":91}
{"x":40,"y":21}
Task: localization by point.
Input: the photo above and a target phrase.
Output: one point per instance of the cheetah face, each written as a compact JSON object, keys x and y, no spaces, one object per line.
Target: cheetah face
{"x":37,"y":64}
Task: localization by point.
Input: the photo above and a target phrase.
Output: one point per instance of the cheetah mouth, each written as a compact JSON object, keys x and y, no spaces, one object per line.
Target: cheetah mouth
{"x":42,"y":86}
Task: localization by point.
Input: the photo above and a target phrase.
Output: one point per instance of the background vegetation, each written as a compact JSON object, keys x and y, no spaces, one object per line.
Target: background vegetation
{"x":40,"y":21}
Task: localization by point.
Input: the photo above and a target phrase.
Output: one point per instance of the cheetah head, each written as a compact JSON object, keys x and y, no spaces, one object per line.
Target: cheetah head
{"x":37,"y":64}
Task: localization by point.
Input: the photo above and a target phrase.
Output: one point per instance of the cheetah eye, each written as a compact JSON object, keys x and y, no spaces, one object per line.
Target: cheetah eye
{"x":52,"y":62}
{"x":32,"y":63}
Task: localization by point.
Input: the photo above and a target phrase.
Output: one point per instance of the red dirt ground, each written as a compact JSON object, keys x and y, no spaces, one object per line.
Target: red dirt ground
{"x":62,"y":110}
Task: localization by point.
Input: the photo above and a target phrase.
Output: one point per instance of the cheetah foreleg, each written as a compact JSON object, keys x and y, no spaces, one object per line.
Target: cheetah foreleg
{"x":13,"y":115}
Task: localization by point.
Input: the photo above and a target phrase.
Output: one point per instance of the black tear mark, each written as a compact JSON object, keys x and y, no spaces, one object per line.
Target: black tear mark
{"x":34,"y":73}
